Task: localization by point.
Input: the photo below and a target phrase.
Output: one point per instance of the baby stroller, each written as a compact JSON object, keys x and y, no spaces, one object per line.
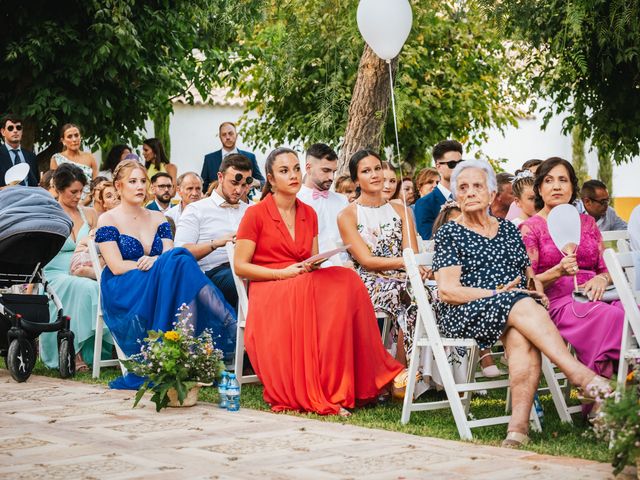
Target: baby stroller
{"x":33,"y":228}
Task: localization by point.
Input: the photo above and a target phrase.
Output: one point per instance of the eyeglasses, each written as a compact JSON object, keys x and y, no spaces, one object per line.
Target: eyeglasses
{"x":238,"y":178}
{"x":604,"y":202}
{"x":164,"y":187}
{"x":451,"y":163}
{"x":11,"y":127}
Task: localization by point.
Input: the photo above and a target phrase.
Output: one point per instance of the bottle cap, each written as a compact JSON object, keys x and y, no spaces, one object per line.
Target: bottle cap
{"x":232,"y":375}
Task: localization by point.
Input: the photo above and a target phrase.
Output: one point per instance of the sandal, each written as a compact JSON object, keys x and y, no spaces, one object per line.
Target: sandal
{"x":344,"y":413}
{"x":515,"y":440}
{"x":491,"y":371}
{"x":595,"y":391}
{"x":400,"y":383}
{"x":81,"y":366}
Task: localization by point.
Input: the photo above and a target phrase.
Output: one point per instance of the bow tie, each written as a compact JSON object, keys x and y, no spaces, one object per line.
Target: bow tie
{"x":319,"y":193}
{"x":229,"y":205}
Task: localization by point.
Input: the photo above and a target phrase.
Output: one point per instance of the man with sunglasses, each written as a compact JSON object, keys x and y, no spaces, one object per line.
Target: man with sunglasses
{"x":11,"y":153}
{"x":447,"y":154}
{"x":207,"y":225}
{"x":595,"y":200}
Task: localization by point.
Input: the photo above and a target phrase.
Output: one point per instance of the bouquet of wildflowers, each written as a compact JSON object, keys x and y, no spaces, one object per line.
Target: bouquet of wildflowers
{"x":618,"y":422}
{"x":176,"y":360}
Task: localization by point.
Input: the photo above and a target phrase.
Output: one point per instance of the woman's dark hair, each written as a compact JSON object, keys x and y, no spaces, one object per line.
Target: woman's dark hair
{"x":113,"y":157}
{"x":268,"y":167}
{"x":530,"y":163}
{"x":66,"y":174}
{"x":391,"y":168}
{"x":544,"y":169}
{"x":156,"y":146}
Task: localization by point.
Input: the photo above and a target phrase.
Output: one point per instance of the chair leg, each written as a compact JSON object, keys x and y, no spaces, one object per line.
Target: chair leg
{"x":97,"y":345}
{"x":239,"y":360}
{"x":557,"y":395}
{"x":623,"y":365}
{"x":413,"y":369}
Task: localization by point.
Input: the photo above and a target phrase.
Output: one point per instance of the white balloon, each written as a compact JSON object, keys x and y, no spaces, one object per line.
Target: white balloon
{"x":564,"y":227}
{"x":385,"y":25}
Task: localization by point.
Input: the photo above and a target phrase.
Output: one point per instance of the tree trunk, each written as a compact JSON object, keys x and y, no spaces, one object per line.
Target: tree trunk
{"x":368,"y":107}
{"x":577,"y":155}
{"x":161,"y":130}
{"x":605,"y":170}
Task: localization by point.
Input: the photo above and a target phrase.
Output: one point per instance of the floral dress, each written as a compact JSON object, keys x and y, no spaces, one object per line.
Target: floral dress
{"x":390,"y":290}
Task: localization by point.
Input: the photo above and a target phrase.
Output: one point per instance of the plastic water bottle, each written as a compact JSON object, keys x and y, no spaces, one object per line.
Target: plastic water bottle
{"x":222,"y":390}
{"x":233,"y":394}
{"x":538,"y":406}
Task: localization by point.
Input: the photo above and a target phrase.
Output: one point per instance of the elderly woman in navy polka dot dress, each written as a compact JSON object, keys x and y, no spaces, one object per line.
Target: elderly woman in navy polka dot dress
{"x":483,"y":270}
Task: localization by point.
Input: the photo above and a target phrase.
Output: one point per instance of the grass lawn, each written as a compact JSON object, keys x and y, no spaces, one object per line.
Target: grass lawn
{"x":555,"y":439}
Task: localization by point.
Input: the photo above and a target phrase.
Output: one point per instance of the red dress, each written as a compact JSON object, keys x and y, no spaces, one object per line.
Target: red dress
{"x":313,"y":339}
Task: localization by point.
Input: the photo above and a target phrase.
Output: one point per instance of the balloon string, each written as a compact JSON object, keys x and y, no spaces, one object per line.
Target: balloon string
{"x":395,"y":127}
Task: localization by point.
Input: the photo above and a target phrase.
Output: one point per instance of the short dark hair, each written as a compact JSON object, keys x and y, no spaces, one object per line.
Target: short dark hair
{"x":66,"y":174}
{"x":237,"y":161}
{"x":445,"y":146}
{"x":502,"y":179}
{"x":10,"y":118}
{"x":322,"y":151}
{"x":158,"y":175}
{"x":590,"y":186}
{"x":355,"y":160}
{"x":545,"y":167}
{"x":530,"y":163}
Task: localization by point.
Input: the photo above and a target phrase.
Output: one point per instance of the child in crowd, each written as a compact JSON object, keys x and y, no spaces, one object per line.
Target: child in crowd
{"x":524,"y":197}
{"x":345,"y":186}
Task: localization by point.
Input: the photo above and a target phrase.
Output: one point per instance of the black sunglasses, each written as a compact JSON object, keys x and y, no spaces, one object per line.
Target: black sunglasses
{"x":17,"y":127}
{"x":451,"y":163}
{"x":238,"y":178}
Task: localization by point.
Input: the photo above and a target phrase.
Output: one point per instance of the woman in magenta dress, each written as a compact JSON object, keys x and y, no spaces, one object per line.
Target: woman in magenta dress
{"x":594,"y":328}
{"x":311,"y":334}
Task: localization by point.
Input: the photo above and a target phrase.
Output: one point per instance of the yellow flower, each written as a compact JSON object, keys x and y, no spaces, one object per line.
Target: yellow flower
{"x":173,"y":336}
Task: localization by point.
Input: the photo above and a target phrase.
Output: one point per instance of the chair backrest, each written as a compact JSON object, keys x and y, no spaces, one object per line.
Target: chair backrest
{"x":411,"y":262}
{"x":95,"y":259}
{"x":616,"y":264}
{"x":624,"y":245}
{"x":615,"y":235}
{"x":241,"y":285}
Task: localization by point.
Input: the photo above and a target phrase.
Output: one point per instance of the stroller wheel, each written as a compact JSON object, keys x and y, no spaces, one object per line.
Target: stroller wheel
{"x":21,"y":359}
{"x":66,"y":358}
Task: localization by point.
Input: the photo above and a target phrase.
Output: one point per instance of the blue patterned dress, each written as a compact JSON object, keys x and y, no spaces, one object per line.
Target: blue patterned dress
{"x":135,"y":302}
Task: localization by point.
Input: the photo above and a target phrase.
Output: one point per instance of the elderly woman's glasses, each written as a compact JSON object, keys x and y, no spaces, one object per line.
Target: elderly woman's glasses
{"x":451,"y":163}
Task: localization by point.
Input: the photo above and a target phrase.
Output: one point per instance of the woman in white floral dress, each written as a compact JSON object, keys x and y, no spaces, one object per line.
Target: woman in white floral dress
{"x":377,"y":232}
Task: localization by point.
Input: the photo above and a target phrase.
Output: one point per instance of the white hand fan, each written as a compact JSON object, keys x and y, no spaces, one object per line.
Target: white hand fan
{"x":564,"y":227}
{"x":16,"y":174}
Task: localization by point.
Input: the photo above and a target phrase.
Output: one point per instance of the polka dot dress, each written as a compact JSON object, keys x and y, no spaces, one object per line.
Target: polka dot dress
{"x":486,"y":263}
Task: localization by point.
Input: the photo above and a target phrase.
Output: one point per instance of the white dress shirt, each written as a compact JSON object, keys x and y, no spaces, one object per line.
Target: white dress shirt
{"x":174,"y":213}
{"x":445,"y":191}
{"x":327,"y":210}
{"x":206,"y":220}
{"x":228,"y":152}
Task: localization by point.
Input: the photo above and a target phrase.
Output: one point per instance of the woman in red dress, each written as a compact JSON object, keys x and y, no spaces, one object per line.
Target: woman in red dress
{"x":311,"y":334}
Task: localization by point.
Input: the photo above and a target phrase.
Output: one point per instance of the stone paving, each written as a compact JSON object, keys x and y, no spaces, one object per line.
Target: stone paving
{"x":58,"y":429}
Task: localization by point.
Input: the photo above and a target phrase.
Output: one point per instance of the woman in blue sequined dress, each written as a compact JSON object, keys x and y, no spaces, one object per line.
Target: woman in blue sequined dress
{"x":146,"y":280}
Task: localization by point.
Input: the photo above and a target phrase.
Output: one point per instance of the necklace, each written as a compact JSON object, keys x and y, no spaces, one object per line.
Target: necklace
{"x":288,"y":223}
{"x":371,"y":206}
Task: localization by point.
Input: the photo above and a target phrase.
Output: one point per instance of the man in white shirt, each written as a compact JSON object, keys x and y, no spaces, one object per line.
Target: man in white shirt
{"x":190,"y":190}
{"x":207,"y":225}
{"x":321,"y":166}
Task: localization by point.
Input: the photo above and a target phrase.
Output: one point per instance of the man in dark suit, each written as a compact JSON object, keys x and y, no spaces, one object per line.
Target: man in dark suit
{"x":446,"y":155}
{"x":11,"y":153}
{"x":212,"y":161}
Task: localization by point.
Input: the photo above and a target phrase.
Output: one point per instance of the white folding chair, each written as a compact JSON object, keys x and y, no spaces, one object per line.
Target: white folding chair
{"x":243,"y":309}
{"x":98,"y":363}
{"x":615,"y":235}
{"x":427,"y":335}
{"x":622,"y":271}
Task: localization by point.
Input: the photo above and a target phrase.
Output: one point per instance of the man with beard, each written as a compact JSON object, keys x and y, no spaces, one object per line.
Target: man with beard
{"x":190,"y":190}
{"x":162,"y":189}
{"x":207,"y":225}
{"x":321,"y":166}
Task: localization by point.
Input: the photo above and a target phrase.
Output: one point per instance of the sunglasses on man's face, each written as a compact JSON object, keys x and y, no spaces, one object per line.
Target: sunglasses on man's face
{"x":451,"y":163}
{"x":11,"y":127}
{"x":238,"y":178}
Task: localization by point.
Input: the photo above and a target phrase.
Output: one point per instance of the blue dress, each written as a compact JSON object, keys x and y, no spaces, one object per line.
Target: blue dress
{"x":135,"y":302}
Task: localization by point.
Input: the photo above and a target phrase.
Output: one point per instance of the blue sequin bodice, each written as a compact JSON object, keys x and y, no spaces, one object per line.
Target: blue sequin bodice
{"x":130,"y":247}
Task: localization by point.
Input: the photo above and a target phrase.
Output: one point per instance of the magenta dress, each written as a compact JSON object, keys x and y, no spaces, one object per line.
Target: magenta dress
{"x":594,"y":329}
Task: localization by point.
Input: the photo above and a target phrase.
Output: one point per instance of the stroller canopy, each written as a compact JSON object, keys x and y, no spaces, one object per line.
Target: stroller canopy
{"x":33,"y":226}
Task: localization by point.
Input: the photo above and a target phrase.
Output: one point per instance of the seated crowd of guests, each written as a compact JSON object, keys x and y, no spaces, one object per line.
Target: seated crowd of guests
{"x":312,"y":334}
